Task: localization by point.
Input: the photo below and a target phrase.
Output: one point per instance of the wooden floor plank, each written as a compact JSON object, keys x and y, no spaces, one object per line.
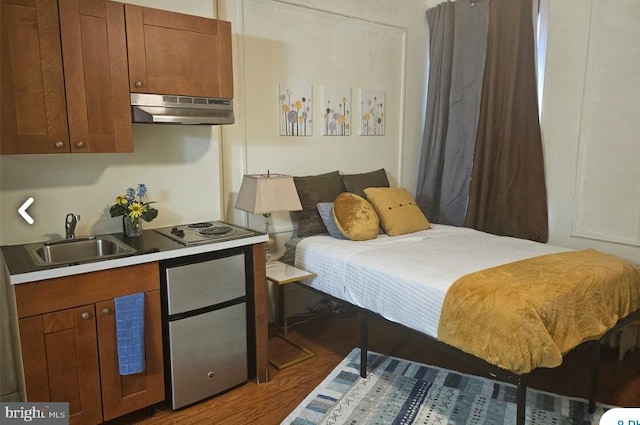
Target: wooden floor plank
{"x":332,"y":337}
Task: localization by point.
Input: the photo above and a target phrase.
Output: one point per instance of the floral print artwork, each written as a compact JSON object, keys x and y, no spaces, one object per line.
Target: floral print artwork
{"x":295,"y":109}
{"x":336,"y":114}
{"x":372,"y":112}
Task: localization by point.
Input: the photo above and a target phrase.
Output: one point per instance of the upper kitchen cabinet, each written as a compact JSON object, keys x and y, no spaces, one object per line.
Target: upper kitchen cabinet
{"x":65,"y":85}
{"x":177,"y":54}
{"x":34,"y":114}
{"x":94,"y":54}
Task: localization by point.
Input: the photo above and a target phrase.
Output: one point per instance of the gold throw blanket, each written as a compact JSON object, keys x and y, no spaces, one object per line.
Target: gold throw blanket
{"x":527,"y":314}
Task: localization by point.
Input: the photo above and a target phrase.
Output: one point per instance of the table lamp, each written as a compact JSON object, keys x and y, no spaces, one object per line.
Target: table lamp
{"x":265,"y":194}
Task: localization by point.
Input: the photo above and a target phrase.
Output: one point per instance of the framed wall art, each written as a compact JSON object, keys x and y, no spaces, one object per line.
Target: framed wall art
{"x":336,"y":111}
{"x":296,"y":110}
{"x":372,"y":112}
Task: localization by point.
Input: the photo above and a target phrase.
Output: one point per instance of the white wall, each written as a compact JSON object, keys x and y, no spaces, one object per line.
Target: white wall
{"x":356,"y":44}
{"x":180,"y":166}
{"x":590,"y":125}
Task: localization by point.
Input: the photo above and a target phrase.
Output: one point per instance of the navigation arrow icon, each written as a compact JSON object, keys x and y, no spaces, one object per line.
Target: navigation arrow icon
{"x":23,"y":210}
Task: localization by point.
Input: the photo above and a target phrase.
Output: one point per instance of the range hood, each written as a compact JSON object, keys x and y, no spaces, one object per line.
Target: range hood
{"x":167,"y":109}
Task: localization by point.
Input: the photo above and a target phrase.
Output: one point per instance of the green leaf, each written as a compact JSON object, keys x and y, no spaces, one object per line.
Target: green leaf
{"x":149,"y":213}
{"x":117,"y":210}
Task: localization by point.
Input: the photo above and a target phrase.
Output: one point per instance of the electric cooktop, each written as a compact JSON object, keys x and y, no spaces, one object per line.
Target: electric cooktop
{"x":204,"y":232}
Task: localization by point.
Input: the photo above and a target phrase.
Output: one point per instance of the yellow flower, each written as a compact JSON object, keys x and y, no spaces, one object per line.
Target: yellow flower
{"x":121,"y":200}
{"x":135,"y":210}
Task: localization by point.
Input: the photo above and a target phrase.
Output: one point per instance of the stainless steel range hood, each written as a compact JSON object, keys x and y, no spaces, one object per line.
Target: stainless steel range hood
{"x":156,"y":108}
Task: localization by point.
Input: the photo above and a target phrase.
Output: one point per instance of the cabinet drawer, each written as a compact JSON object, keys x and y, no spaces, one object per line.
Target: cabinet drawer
{"x":66,"y":292}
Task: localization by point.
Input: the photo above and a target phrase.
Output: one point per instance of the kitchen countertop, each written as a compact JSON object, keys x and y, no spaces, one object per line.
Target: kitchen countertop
{"x":150,"y":246}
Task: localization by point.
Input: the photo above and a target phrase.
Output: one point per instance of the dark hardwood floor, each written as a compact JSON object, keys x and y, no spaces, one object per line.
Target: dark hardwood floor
{"x":333,"y":336}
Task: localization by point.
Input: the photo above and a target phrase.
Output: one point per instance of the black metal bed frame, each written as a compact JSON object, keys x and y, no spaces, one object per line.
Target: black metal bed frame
{"x":504,"y":375}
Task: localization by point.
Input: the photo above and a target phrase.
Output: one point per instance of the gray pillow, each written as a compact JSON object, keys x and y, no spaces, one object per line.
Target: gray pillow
{"x":326,"y":213}
{"x":357,"y":183}
{"x":311,"y":191}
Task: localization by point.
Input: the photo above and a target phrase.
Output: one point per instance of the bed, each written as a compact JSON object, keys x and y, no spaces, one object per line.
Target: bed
{"x":422,"y":276}
{"x":425,"y":264}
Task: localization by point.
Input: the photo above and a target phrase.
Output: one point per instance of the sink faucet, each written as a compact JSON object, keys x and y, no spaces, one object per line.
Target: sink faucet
{"x":70,"y":223}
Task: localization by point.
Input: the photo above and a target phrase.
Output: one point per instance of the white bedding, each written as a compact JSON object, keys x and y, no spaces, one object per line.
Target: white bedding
{"x":405,"y":278}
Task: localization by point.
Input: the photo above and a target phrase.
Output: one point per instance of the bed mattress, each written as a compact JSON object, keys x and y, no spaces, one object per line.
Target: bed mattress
{"x":405,"y":278}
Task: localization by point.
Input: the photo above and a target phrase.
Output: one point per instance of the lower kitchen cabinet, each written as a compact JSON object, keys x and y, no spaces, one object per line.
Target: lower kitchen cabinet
{"x":68,"y":341}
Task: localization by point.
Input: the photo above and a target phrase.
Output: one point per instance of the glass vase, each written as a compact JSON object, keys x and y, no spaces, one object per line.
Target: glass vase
{"x":132,"y":226}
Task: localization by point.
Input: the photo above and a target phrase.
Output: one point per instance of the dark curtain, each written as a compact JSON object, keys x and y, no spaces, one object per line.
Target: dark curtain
{"x":457,"y":33}
{"x":507,"y":195}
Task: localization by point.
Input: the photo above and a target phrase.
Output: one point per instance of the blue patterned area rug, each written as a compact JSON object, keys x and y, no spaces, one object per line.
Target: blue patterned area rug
{"x":398,"y":391}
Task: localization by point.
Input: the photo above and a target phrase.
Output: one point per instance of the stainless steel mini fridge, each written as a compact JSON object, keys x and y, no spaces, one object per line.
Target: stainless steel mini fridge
{"x":205,"y":325}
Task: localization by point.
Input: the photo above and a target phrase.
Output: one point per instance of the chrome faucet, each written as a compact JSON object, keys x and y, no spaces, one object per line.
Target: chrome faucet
{"x":70,"y":223}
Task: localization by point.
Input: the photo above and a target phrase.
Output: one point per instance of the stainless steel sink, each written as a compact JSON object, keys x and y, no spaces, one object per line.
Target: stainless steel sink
{"x":78,"y":250}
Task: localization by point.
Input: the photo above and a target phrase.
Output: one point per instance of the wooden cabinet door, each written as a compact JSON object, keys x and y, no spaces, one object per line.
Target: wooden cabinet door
{"x":96,"y":75}
{"x":34,"y":117}
{"x":60,"y":358}
{"x":122,"y":394}
{"x":172,"y":53}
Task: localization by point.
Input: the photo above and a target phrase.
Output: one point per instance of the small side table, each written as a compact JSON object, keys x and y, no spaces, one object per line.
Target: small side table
{"x":281,"y":274}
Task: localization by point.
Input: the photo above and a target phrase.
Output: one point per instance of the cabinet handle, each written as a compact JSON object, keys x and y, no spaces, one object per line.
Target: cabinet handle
{"x":210,"y":374}
{"x":138,"y":84}
{"x":59,"y":144}
{"x":106,"y":311}
{"x":80,"y":145}
{"x":85,"y":315}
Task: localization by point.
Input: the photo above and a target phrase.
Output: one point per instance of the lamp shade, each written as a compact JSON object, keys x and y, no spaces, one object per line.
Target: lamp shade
{"x":268,"y":193}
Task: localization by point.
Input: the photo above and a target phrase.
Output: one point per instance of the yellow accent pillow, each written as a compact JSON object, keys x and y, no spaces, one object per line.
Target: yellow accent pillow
{"x":398,"y":211}
{"x":355,"y":217}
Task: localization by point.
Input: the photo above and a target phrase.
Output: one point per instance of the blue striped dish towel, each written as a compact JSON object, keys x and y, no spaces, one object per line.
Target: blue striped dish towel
{"x":130,"y":333}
